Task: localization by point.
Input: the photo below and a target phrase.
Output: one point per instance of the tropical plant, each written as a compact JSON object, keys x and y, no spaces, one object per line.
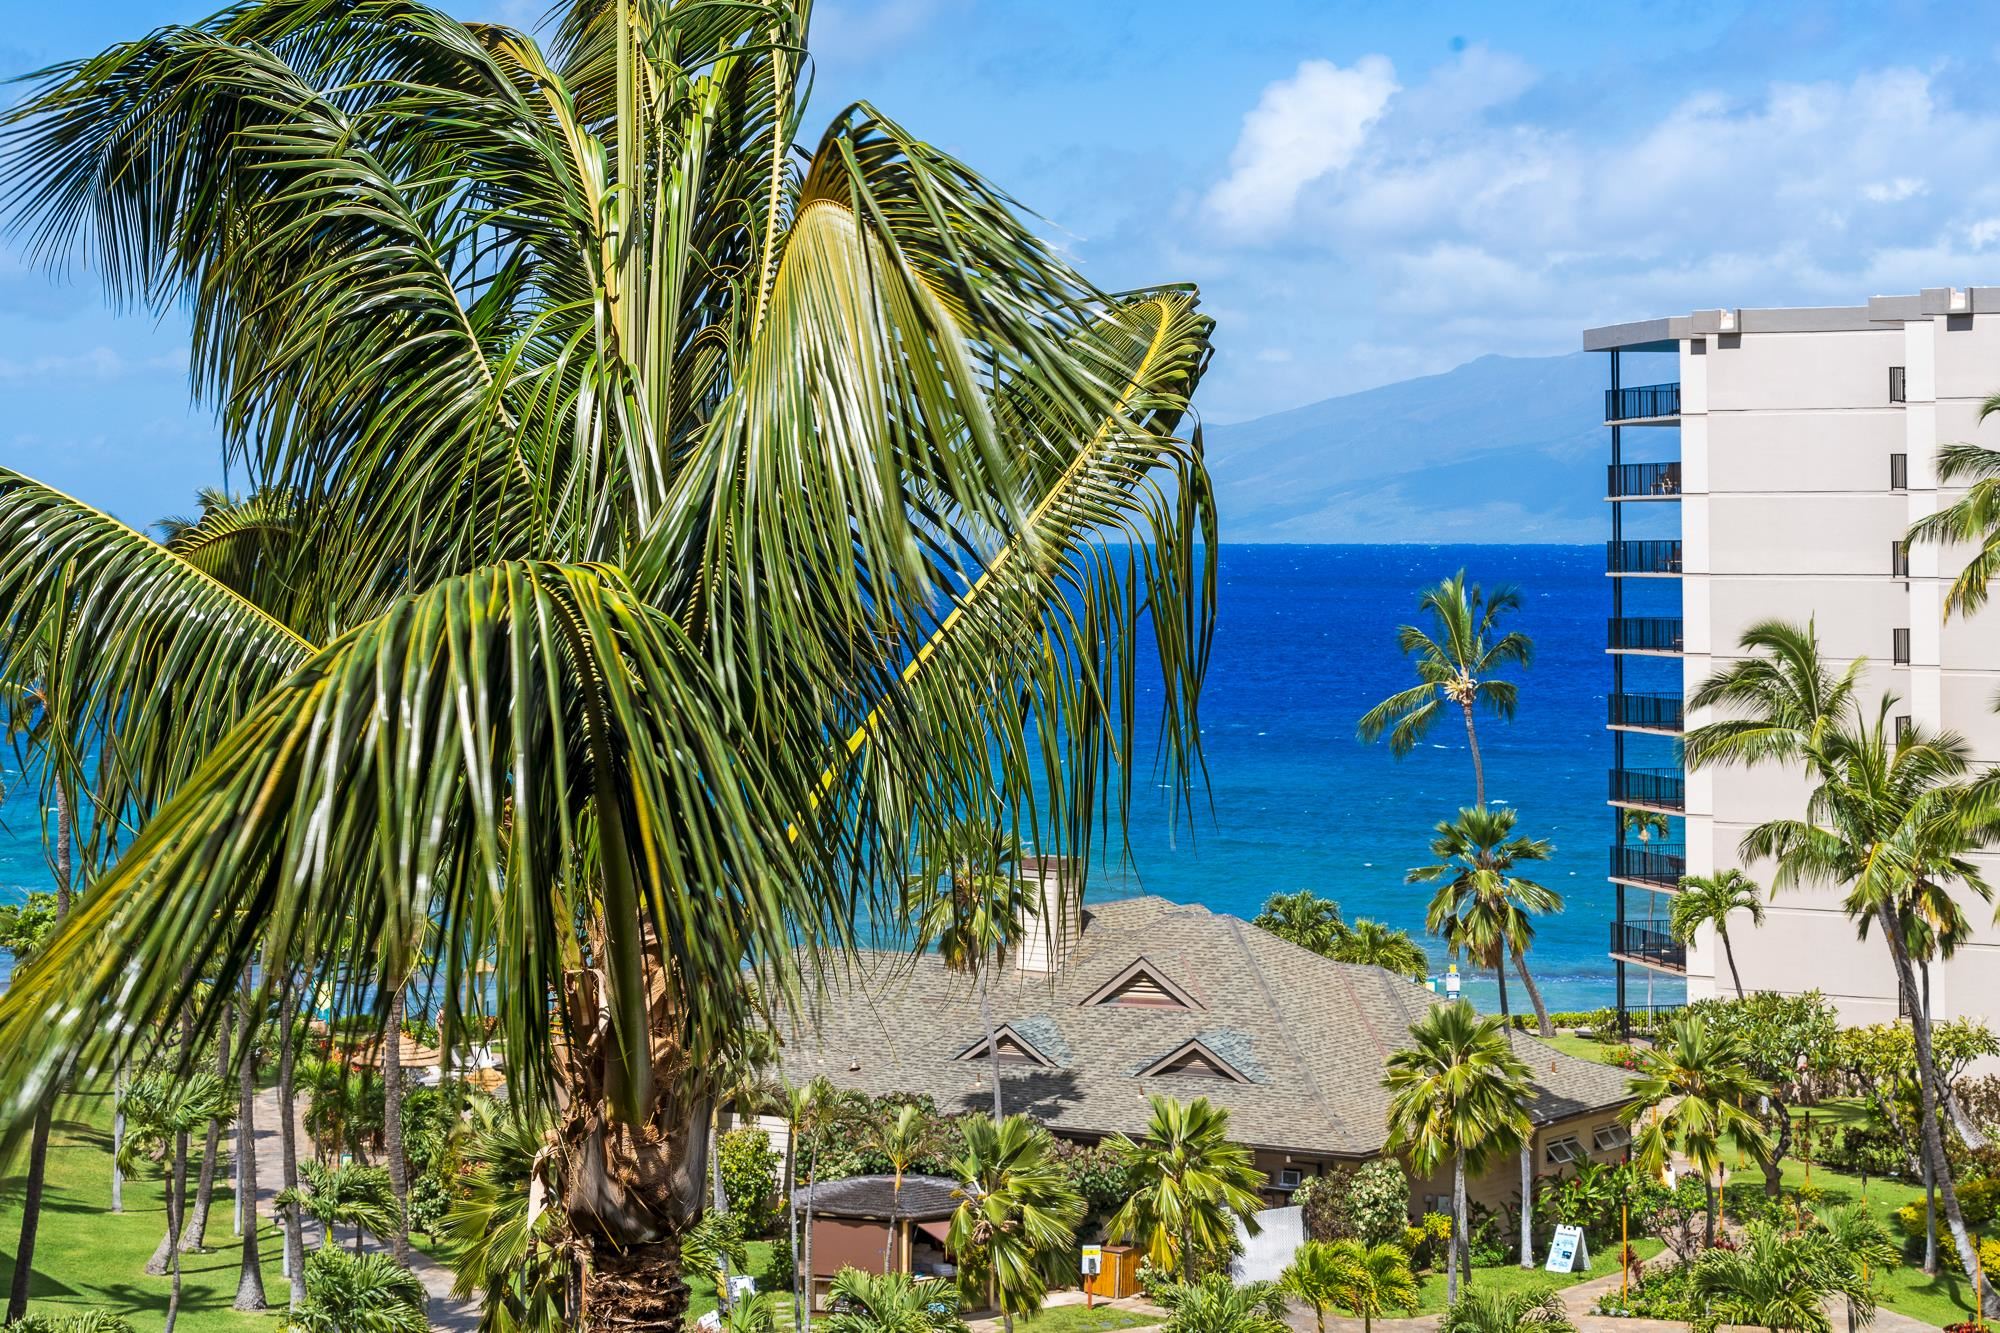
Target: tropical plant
{"x":755,"y":1313}
{"x":1304,"y":918}
{"x":1507,"y":1312}
{"x":1190,"y":1186}
{"x":1691,"y":1091}
{"x":1374,"y":944}
{"x":714,"y":1246}
{"x":1457,"y":1094}
{"x":79,"y":1321}
{"x":1456,"y":661}
{"x":1481,"y":906}
{"x":162,"y":1109}
{"x":1369,"y":1203}
{"x":1708,"y":900}
{"x":1776,"y":1279}
{"x":1015,"y":1209}
{"x":358,"y":1293}
{"x":1791,"y":1044}
{"x":971,"y":904}
{"x":24,"y":927}
{"x":504,"y":1247}
{"x":1857,"y":1246}
{"x":1973,"y":519}
{"x":750,"y":1167}
{"x":1214,"y":1304}
{"x":707,"y":517}
{"x":1364,"y":1280}
{"x":346,"y":1195}
{"x":901,"y":1138}
{"x":1643,"y":824}
{"x":891,"y":1303}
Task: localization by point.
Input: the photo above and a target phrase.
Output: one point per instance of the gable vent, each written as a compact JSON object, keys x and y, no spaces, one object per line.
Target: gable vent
{"x":1011,"y":1047}
{"x":1143,"y":986}
{"x":1196,"y":1060}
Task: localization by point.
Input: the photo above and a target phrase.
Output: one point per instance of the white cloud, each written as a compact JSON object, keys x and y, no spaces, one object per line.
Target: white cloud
{"x":858,"y":31}
{"x":1894,"y":191}
{"x":1301,"y":129}
{"x":1983,"y":233}
{"x":97,"y":363}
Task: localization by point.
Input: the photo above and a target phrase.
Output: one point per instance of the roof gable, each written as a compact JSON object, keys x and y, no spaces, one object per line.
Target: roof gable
{"x":1143,"y":986}
{"x":1011,"y":1046}
{"x":1194,"y":1057}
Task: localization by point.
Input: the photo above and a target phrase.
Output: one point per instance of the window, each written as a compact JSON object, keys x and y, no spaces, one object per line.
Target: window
{"x":1899,"y":472}
{"x":1902,"y":727}
{"x":1899,"y":647}
{"x":1899,"y":560}
{"x":1606,"y":1138}
{"x":1898,"y":385}
{"x":1565,"y":1151}
{"x":1289,"y":1178}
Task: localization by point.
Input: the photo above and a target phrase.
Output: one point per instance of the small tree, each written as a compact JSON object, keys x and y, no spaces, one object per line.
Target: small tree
{"x":1507,"y":1312}
{"x":346,"y":1292}
{"x":161,"y":1111}
{"x":1190,"y":1186}
{"x":1016,"y":1207}
{"x":1303,"y":918}
{"x":1708,"y":900}
{"x":1364,"y":1280}
{"x":1790,"y":1043}
{"x":1690,"y":1092}
{"x":356,"y":1196}
{"x":891,"y":1303}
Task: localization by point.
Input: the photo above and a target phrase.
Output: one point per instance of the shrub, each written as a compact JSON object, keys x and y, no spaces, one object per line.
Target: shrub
{"x":1978,"y":1200}
{"x":431,"y":1196}
{"x":72,"y":1321}
{"x":1369,"y":1203}
{"x":1096,"y":1172}
{"x":750,"y":1177}
{"x":345,"y":1292}
{"x":1666,"y":1294}
{"x":777,"y":1275}
{"x":1425,"y":1241}
{"x":1217,"y":1305}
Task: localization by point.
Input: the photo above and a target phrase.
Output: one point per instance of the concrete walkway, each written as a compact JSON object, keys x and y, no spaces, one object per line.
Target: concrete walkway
{"x":446,"y":1312}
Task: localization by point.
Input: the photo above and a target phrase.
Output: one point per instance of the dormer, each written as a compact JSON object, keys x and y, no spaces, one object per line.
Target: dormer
{"x":1011,"y":1047}
{"x":1195,"y":1059}
{"x":1142,"y":986}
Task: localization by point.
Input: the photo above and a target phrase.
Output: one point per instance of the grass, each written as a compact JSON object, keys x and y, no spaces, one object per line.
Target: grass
{"x":88,"y":1256}
{"x":701,"y":1287}
{"x":1583,"y":1048}
{"x":1906,"y":1289}
{"x":1512,"y":1277}
{"x":1077,"y":1319}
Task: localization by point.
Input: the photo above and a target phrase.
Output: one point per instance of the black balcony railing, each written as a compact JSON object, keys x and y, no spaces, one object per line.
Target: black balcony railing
{"x":1648,"y":944}
{"x":1642,"y":402}
{"x":1644,"y":634}
{"x":1661,"y":863}
{"x":1645,"y":557}
{"x":1661,"y":788}
{"x":1633,"y":480}
{"x":1655,"y":712}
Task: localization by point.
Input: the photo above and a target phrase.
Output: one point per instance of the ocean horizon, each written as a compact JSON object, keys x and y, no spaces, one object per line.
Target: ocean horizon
{"x":1304,"y":644}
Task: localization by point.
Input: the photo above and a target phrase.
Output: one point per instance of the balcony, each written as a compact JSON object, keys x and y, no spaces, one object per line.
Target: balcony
{"x":1650,"y":789}
{"x":1649,"y":865}
{"x":1648,"y":946}
{"x":1643,"y":634}
{"x":1643,"y":557}
{"x":1650,"y":404}
{"x":1646,"y":712}
{"x":1643,"y":481}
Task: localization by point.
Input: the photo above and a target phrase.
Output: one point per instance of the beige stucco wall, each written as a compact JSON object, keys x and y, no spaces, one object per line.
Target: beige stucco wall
{"x":1502,"y":1185}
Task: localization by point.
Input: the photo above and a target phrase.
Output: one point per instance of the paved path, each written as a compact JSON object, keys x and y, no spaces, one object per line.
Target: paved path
{"x":446,"y":1312}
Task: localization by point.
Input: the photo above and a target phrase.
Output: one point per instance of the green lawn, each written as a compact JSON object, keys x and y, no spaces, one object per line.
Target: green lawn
{"x":1583,"y":1048}
{"x":1512,"y":1277}
{"x":88,"y":1256}
{"x":1945,"y":1299}
{"x":701,"y":1287}
{"x":1077,"y":1319}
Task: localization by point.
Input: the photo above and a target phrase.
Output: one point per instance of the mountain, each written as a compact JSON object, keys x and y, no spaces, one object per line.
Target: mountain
{"x":1502,"y":449}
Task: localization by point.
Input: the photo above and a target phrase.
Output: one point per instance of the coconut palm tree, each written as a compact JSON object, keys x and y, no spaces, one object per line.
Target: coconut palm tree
{"x":1643,"y":824}
{"x":162,"y":1109}
{"x":1456,"y":661}
{"x":1188,"y":1185}
{"x":1376,"y":945}
{"x":900,"y":1140}
{"x":1016,"y":1208}
{"x":1972,"y":519}
{"x":1692,"y":1090}
{"x":1708,"y":900}
{"x":1457,"y":1094}
{"x":1507,"y":1312}
{"x":345,"y":1292}
{"x":1304,"y":918}
{"x":709,"y":515}
{"x":1364,"y":1280}
{"x":1481,"y":906}
{"x":891,"y":1303}
{"x":250,"y":1260}
{"x":24,"y":928}
{"x":971,"y":905}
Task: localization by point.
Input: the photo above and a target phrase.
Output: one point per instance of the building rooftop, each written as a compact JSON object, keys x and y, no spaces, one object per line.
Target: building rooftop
{"x":1155,"y":997}
{"x":1663,"y":334}
{"x":876,"y":1198}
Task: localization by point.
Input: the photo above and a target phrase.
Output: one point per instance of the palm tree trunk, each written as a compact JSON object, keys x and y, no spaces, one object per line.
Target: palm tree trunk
{"x":992,"y":1049}
{"x":1930,"y":1221}
{"x":176,"y":1205}
{"x":1729,"y":953}
{"x":1500,"y":975}
{"x":791,"y":1212}
{"x":250,"y":1277}
{"x":1528,"y":1202}
{"x":812,"y":1184}
{"x":195,"y":1237}
{"x":1457,"y":1228}
{"x":117,"y":1138}
{"x":1478,"y":767}
{"x":722,"y":1300}
{"x":1542,"y":1023}
{"x":1708,"y":1213}
{"x":895,"y":1202}
{"x":288,"y":1143}
{"x":1928,"y":1084}
{"x":392,"y":1127}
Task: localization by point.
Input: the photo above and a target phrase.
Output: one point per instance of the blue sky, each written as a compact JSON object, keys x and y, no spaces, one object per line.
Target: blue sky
{"x":1364,"y":191}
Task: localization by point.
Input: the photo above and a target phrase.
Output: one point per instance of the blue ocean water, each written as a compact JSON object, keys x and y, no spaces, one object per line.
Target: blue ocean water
{"x":1304,"y":645}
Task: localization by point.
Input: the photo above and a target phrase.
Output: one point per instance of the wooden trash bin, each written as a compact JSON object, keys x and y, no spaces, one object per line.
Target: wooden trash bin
{"x":1119,"y":1275}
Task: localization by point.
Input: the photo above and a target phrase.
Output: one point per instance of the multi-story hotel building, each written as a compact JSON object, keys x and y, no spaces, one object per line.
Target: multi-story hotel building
{"x":1766,"y":464}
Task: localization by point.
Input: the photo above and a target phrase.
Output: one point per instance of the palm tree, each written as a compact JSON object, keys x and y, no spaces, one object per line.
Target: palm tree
{"x":1481,"y":906}
{"x":357,"y":1196}
{"x":1364,"y":1280}
{"x":1457,"y":1094}
{"x":250,"y":1260}
{"x":1643,"y":824}
{"x":1692,"y":1088}
{"x":1972,"y":519}
{"x":162,"y":1110}
{"x":1376,"y":945}
{"x":708,"y":515}
{"x":1507,"y":1312}
{"x":503,"y":1249}
{"x":24,"y":928}
{"x":1214,"y":1304}
{"x":345,"y":1292}
{"x":1016,"y":1208}
{"x":1857,"y":1246}
{"x":1707,"y":900}
{"x":1778,"y":1280}
{"x":970,"y":903}
{"x":891,"y":1303}
{"x":900,"y":1141}
{"x":1456,"y":660}
{"x":1188,"y":1186}
{"x":1304,"y":918}
{"x":756,"y":1313}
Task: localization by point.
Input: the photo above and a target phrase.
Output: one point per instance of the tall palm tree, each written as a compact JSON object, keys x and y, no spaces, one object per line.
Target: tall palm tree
{"x":1016,"y":1208}
{"x":708,"y":515}
{"x":1364,"y":1280}
{"x":1188,"y":1185}
{"x":163,"y":1109}
{"x":900,"y":1141}
{"x":1376,"y":945}
{"x":1708,"y":900}
{"x":1456,"y":662}
{"x":1457,"y":1094}
{"x":1692,"y":1090}
{"x":250,"y":1260}
{"x":970,"y":903}
{"x":1481,"y":906}
{"x":1972,"y":519}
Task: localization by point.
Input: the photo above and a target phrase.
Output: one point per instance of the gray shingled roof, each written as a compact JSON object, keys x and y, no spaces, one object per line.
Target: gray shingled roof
{"x":924,"y":1198}
{"x":1311,"y":1035}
